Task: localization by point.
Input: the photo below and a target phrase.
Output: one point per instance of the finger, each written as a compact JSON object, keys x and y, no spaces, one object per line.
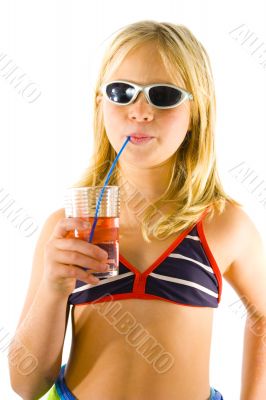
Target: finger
{"x":83,"y":247}
{"x":75,"y":258}
{"x":65,"y":225}
{"x":72,"y":271}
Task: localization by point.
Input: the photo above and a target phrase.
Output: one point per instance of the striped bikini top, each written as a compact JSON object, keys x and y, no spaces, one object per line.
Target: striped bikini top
{"x":186,"y":273}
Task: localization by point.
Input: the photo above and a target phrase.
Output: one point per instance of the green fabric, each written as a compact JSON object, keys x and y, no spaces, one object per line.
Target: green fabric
{"x":52,"y":394}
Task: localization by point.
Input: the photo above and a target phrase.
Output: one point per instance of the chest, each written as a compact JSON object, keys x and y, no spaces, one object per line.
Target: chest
{"x":142,"y":254}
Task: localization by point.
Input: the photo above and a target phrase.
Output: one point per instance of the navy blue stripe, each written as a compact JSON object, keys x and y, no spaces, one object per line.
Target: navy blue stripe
{"x":123,"y":269}
{"x":124,"y":285}
{"x":179,"y":293}
{"x":193,"y":249}
{"x":185,"y":269}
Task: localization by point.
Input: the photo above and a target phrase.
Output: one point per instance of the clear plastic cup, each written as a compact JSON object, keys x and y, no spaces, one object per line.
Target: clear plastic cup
{"x":81,"y":203}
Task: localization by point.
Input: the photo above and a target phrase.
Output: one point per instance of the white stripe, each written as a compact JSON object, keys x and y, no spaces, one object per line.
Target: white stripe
{"x":175,"y":255}
{"x":102,"y":282}
{"x":184,"y":282}
{"x":192,"y":237}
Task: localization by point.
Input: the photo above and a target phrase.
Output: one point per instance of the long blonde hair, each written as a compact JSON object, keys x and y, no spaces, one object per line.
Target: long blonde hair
{"x":194,"y":185}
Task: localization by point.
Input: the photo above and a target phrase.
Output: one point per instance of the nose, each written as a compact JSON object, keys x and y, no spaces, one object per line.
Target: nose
{"x":140,"y":109}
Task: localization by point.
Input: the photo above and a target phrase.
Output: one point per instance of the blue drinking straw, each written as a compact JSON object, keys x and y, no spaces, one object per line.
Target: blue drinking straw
{"x":103,"y":189}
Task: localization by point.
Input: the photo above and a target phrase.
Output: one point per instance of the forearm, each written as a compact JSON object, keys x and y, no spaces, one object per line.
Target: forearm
{"x":254,"y":360}
{"x":38,"y":341}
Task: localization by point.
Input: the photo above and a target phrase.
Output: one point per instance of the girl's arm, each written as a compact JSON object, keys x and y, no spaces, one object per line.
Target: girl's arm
{"x":247,"y":275}
{"x":35,"y":353}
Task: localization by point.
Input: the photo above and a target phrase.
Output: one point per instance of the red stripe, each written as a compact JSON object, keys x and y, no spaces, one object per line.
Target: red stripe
{"x":211,"y":258}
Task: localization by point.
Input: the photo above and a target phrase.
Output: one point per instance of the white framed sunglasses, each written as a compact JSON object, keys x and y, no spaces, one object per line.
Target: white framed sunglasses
{"x":159,"y":95}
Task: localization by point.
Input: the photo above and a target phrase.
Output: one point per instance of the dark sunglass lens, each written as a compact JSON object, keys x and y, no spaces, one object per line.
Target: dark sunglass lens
{"x":120,"y":92}
{"x":164,"y":96}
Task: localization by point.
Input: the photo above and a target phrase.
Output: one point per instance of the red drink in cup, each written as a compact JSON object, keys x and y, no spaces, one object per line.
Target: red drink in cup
{"x":81,"y":203}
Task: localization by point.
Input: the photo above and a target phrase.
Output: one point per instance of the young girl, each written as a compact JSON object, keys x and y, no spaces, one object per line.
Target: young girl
{"x":146,"y":333}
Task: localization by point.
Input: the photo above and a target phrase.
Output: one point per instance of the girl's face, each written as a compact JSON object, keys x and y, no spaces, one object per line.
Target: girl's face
{"x":167,"y":127}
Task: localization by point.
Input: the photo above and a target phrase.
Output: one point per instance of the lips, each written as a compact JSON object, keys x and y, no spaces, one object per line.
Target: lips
{"x":140,"y":135}
{"x":141,"y":140}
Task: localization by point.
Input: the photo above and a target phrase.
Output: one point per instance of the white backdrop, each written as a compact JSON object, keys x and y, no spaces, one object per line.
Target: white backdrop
{"x":46,"y":129}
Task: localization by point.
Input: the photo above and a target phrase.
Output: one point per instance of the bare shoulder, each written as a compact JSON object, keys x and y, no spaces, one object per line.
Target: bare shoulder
{"x":238,"y":245}
{"x":236,"y":222}
{"x":232,"y":215}
{"x":227,"y":232}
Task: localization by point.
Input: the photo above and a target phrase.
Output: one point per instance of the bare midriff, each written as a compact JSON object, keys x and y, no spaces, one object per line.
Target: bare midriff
{"x":106,"y":363}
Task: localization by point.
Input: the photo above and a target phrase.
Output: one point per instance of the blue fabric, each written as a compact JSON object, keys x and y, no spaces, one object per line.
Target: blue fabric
{"x":61,"y":387}
{"x":215,"y":395}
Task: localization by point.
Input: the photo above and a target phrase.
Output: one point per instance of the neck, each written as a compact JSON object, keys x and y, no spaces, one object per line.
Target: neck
{"x":149,"y":183}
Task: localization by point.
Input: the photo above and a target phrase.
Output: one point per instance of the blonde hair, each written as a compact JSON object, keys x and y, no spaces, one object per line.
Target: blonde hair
{"x":194,"y":185}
